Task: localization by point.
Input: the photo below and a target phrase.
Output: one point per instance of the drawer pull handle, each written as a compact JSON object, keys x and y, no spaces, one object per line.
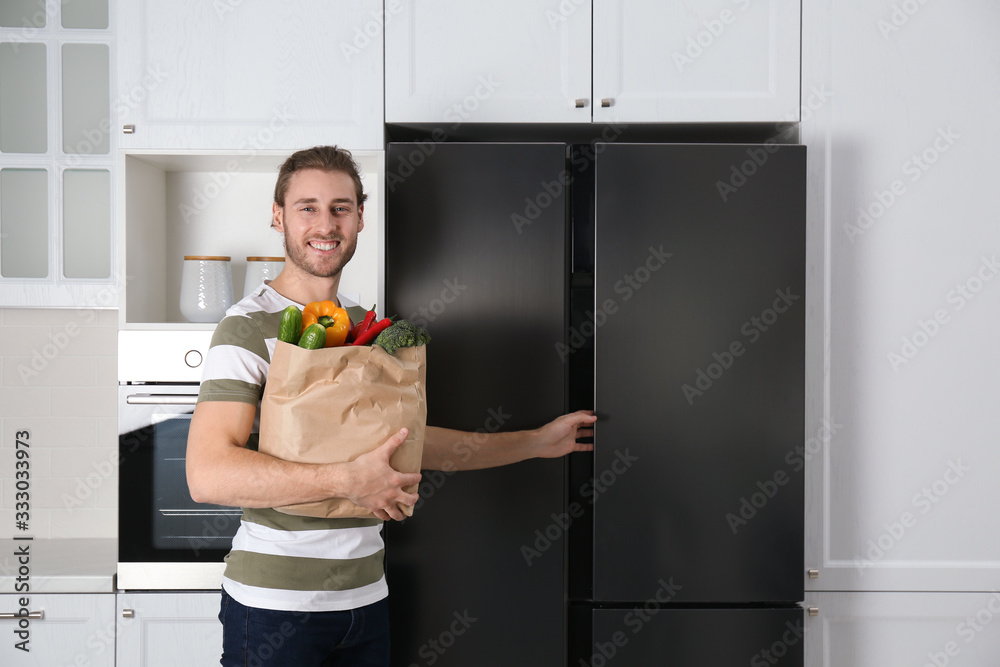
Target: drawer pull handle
{"x":32,"y":615}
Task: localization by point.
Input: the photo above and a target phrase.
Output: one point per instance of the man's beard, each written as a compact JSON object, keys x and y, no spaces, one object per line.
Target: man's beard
{"x":300,"y":258}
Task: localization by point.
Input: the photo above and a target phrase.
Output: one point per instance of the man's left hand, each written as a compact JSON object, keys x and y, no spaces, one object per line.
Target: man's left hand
{"x":560,"y":436}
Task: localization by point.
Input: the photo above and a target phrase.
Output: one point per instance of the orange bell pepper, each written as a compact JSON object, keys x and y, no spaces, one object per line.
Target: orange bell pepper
{"x":334,"y":319}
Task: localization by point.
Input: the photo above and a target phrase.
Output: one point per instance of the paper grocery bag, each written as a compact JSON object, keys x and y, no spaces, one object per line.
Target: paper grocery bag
{"x":337,"y":403}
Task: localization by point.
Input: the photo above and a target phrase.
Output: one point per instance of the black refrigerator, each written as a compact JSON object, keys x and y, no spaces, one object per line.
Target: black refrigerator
{"x":661,"y":285}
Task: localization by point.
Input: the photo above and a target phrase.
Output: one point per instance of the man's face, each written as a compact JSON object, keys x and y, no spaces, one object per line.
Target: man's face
{"x":320,"y":221}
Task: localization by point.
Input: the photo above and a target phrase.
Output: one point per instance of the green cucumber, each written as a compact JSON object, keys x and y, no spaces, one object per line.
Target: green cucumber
{"x":291,"y":325}
{"x":313,"y":338}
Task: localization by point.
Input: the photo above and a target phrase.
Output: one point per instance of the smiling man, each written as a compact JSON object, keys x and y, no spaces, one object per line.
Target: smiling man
{"x":302,"y":590}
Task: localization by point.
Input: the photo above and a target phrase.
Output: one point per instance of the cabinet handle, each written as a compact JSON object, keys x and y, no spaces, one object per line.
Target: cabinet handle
{"x":814,"y":611}
{"x":814,"y":574}
{"x":606,"y":102}
{"x":128,"y":129}
{"x":580,"y":102}
{"x":128,"y":613}
{"x":33,"y":615}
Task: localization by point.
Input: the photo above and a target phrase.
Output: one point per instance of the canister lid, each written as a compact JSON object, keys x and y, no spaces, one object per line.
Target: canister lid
{"x":265,"y":259}
{"x":217,"y":258}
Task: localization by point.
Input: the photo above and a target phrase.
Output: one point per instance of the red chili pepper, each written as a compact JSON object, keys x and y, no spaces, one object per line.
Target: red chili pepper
{"x":361,"y":326}
{"x":372,"y":332}
{"x":365,"y":323}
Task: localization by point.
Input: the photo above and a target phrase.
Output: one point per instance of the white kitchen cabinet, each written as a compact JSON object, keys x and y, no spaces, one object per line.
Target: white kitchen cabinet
{"x":218,"y":203}
{"x":919,"y":629}
{"x":249,"y":74}
{"x":486,"y":62}
{"x":710,"y":61}
{"x":900,"y":444}
{"x":62,"y":629}
{"x":56,"y":154}
{"x":592,"y":61}
{"x":169,"y":629}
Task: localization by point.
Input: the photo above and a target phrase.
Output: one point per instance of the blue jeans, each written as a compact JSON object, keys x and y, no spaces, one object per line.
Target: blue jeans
{"x":253,"y":637}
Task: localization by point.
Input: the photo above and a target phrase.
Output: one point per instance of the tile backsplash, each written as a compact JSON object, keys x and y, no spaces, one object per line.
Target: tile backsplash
{"x":58,"y":382}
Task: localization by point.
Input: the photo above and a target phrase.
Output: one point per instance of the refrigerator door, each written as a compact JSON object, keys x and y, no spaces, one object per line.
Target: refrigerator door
{"x":700,"y":303}
{"x":476,"y":253}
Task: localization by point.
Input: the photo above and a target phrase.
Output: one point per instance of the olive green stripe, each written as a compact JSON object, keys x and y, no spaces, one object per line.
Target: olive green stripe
{"x":303,"y":574}
{"x":268,"y":323}
{"x":272,"y":518}
{"x":227,"y":389}
{"x":244,"y":332}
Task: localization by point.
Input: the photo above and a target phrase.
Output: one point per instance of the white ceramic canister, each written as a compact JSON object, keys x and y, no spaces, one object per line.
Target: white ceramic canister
{"x":206,"y":288}
{"x":260,"y":269}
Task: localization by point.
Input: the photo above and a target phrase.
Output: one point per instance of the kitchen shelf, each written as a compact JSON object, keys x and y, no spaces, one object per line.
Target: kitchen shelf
{"x":208,"y":202}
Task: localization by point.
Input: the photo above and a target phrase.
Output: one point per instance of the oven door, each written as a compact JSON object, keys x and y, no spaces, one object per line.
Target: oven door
{"x":166,"y":540}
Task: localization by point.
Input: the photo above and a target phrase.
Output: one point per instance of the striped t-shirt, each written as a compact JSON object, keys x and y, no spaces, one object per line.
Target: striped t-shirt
{"x":280,"y":561}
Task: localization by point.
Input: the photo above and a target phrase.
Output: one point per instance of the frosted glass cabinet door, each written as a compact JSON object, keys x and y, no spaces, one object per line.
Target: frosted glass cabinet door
{"x":86,"y":230}
{"x":23,"y":108}
{"x":707,"y":61}
{"x":86,"y":98}
{"x":24,"y":223}
{"x":85,"y":14}
{"x":21,"y":13}
{"x":249,"y":75}
{"x":57,"y":154}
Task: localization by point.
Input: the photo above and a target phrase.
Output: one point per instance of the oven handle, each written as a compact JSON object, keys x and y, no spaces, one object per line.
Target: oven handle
{"x":161,"y":399}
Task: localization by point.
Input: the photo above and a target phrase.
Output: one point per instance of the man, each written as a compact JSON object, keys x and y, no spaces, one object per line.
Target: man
{"x":302,"y":590}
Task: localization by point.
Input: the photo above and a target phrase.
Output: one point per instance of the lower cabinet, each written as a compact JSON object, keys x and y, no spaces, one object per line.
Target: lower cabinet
{"x":863,"y":629}
{"x":168,"y":629}
{"x":56,"y":630}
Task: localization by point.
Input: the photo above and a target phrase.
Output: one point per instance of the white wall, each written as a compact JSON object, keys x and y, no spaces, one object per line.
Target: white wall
{"x":59,"y":383}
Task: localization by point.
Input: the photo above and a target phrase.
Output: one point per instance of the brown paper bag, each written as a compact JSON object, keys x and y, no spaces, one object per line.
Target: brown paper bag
{"x":337,"y":403}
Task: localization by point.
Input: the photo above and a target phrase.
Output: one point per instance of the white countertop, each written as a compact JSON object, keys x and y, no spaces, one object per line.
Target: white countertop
{"x":60,"y":566}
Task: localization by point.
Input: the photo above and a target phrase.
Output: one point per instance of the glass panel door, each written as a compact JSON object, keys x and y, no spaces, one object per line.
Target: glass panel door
{"x":87,"y":223}
{"x":23,"y":107}
{"x":24,"y":223}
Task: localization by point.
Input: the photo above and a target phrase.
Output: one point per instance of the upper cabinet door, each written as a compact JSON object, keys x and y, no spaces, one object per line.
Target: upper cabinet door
{"x":521,"y":61}
{"x":250,"y":75}
{"x":708,"y":61}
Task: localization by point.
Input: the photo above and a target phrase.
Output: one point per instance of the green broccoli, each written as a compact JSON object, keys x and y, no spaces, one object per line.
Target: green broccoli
{"x":402,"y":333}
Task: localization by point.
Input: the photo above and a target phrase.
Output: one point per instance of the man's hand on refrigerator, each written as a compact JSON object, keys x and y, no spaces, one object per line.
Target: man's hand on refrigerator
{"x":561,"y":435}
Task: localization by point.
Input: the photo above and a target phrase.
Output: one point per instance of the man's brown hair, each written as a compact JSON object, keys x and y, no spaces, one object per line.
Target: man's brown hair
{"x":324,"y":158}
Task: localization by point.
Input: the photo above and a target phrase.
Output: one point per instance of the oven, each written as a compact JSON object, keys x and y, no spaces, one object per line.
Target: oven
{"x":165,"y":539}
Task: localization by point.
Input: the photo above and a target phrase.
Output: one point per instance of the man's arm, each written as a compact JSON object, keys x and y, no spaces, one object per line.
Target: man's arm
{"x":447,"y":449}
{"x":221,"y":470}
